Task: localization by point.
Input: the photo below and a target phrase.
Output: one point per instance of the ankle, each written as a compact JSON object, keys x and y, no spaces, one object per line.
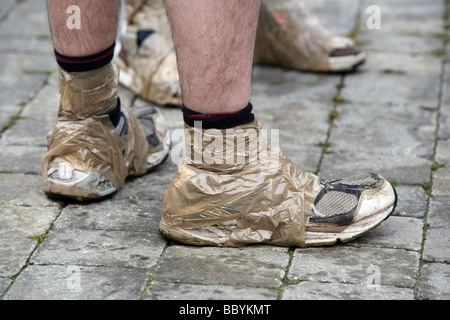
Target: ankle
{"x":87,"y":94}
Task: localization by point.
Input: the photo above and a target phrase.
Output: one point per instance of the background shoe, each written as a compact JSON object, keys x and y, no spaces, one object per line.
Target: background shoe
{"x":290,"y":36}
{"x":265,"y":199}
{"x":146,"y":53}
{"x":88,"y":156}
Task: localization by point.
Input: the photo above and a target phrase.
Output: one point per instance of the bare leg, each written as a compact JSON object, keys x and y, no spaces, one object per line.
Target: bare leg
{"x":214,"y":42}
{"x":99,"y":21}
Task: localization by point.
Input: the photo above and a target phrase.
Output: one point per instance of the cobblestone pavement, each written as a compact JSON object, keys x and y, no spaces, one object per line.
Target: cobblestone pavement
{"x":391,"y":117}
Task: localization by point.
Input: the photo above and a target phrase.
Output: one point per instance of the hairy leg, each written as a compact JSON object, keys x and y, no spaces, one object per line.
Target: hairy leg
{"x":214,"y":41}
{"x":99,"y":21}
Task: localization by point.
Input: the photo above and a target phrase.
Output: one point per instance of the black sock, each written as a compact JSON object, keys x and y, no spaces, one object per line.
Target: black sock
{"x":218,"y":120}
{"x":87,"y":63}
{"x":118,"y":119}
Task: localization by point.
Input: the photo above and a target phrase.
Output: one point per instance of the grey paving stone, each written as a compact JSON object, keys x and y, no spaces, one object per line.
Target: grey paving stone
{"x":434,"y":282}
{"x":30,"y":45}
{"x":18,"y":88}
{"x":25,"y":222}
{"x":441,"y":178}
{"x":297,"y":128}
{"x":32,"y":16}
{"x":413,"y":170}
{"x":44,"y":106}
{"x":366,"y":138}
{"x":21,"y":159}
{"x":306,"y":121}
{"x":179,"y":291}
{"x":78,"y":283}
{"x":444,"y":120}
{"x":395,"y":130}
{"x":27,"y":132}
{"x":312,"y":290}
{"x":389,"y":87}
{"x":5,"y":7}
{"x":252,"y":266}
{"x":14,"y":253}
{"x":24,"y":190}
{"x":395,"y":232}
{"x":347,"y":264}
{"x":437,"y":245}
{"x":442,"y":156}
{"x":118,"y":215}
{"x":404,"y":64}
{"x":4,"y":284}
{"x":8,"y":111}
{"x":275,"y":87}
{"x":412,"y":201}
{"x":385,"y":41}
{"x":438,"y":215}
{"x":19,"y":226}
{"x":27,"y":65}
{"x":100,"y":248}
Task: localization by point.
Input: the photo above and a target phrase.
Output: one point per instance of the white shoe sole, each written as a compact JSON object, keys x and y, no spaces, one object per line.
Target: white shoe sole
{"x":346,"y":63}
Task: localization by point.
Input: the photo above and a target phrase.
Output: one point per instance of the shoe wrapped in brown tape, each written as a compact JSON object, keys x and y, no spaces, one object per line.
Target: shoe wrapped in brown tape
{"x":290,"y":36}
{"x":84,"y":137}
{"x":147,"y":55}
{"x":232,"y":189}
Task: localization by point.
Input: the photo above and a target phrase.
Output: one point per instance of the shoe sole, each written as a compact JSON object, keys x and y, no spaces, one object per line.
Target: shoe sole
{"x":73,"y":193}
{"x":313,"y":239}
{"x":346,"y":63}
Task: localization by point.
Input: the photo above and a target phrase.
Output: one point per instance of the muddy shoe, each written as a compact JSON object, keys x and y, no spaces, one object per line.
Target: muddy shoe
{"x":289,"y":36}
{"x":96,"y":142}
{"x":232,"y":188}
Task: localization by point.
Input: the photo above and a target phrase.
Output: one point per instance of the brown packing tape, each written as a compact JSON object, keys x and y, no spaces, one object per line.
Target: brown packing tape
{"x":264,"y":200}
{"x":150,"y":69}
{"x":85,"y":94}
{"x":91,"y":143}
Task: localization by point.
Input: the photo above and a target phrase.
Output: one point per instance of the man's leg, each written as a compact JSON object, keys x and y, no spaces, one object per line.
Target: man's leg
{"x":96,"y":142}
{"x":99,"y":22}
{"x":224,"y":199}
{"x":214,"y":41}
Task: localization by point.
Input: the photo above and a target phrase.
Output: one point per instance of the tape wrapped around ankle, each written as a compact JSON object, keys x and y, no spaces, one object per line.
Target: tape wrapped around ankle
{"x":264,"y":198}
{"x":89,"y":142}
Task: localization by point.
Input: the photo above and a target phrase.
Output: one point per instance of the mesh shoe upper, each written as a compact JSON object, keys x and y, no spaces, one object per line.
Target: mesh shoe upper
{"x":338,"y":200}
